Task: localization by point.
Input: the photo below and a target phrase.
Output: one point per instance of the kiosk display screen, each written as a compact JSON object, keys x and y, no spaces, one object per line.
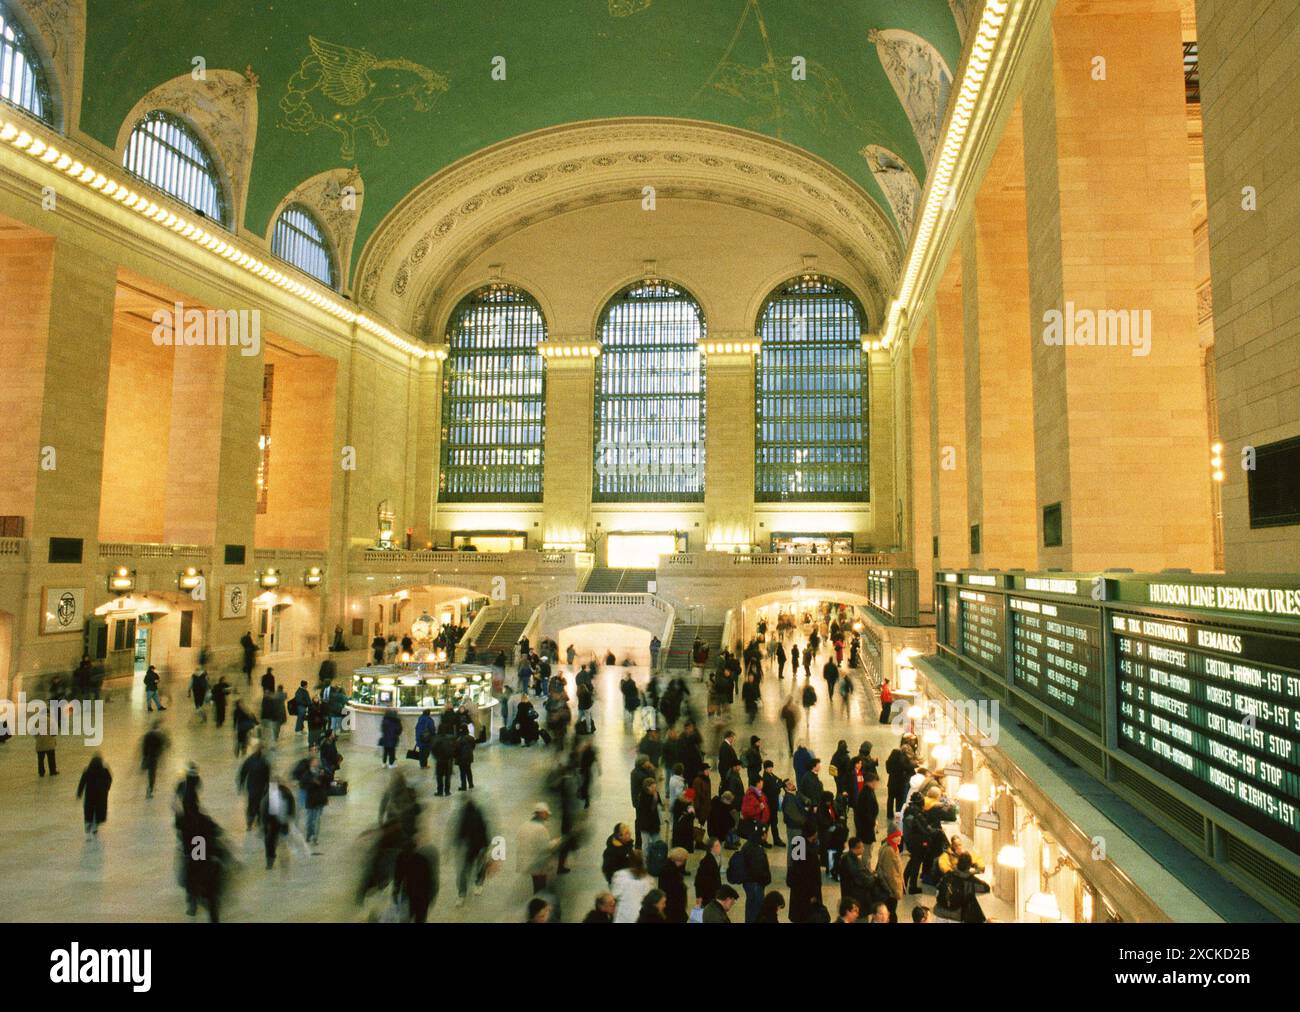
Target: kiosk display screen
{"x":1216,"y":709}
{"x":982,"y":618}
{"x":1056,"y":656}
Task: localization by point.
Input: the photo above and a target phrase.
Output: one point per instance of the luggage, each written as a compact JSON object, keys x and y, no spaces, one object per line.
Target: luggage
{"x":585,"y":727}
{"x":413,"y":753}
{"x":509,"y":736}
{"x":338,"y":788}
{"x":545,"y":735}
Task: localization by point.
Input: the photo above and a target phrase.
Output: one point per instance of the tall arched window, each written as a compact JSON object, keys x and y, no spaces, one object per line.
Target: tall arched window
{"x":22,"y":78}
{"x":650,"y":397}
{"x":165,"y":151}
{"x":811,"y":395}
{"x":299,"y":239}
{"x":493,"y":399}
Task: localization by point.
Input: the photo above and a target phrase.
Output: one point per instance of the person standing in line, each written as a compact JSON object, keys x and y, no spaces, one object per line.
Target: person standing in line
{"x":301,"y":704}
{"x":758,"y":876}
{"x":390,"y":733}
{"x":464,"y":745}
{"x":151,"y":697}
{"x":889,"y":873}
{"x":886,"y":701}
{"x":630,"y":886}
{"x":316,"y":795}
{"x":93,"y":789}
{"x":444,"y":755}
{"x":425,"y":730}
{"x":152,"y":747}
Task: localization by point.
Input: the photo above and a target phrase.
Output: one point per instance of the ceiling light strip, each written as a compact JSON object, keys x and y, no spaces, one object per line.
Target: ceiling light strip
{"x":20,"y":138}
{"x":959,"y":121}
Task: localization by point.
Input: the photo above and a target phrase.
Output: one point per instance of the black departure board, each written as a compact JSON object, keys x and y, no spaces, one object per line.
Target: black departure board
{"x":947,"y":615}
{"x":981,"y":629}
{"x":1216,"y":709}
{"x":1056,"y":656}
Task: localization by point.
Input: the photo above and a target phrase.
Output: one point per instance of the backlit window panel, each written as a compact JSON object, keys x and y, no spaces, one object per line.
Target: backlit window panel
{"x":811,"y":395}
{"x":299,"y":239}
{"x":165,"y":151}
{"x":22,"y":80}
{"x":650,"y":397}
{"x":494,"y":404}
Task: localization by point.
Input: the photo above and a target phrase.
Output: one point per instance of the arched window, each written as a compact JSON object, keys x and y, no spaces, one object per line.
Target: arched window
{"x":165,"y":151}
{"x":299,"y":239}
{"x":493,"y":399}
{"x":650,"y":397}
{"x":22,"y":78}
{"x":811,"y":395}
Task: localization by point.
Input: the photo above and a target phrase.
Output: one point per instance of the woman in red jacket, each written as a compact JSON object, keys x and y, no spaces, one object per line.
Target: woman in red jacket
{"x":886,"y":701}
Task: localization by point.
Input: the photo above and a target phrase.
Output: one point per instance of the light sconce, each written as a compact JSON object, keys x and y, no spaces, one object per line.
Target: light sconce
{"x":189,"y":578}
{"x":313,"y":577}
{"x":1216,"y":461}
{"x":1044,"y":906}
{"x":268,"y":578}
{"x":121,"y":580}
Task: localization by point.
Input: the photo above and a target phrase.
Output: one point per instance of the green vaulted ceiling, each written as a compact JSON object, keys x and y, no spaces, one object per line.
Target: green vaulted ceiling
{"x":419,"y":73}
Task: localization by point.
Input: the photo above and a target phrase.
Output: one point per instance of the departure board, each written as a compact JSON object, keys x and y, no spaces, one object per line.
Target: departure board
{"x":1217,"y":709}
{"x":982,"y":617}
{"x":1056,"y":656}
{"x":947,"y":615}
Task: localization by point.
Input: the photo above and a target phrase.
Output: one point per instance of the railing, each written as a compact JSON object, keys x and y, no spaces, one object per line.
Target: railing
{"x":586,"y":601}
{"x":721,"y":560}
{"x":13,"y":547}
{"x":279,"y":554}
{"x":149,"y":550}
{"x":370,"y":558}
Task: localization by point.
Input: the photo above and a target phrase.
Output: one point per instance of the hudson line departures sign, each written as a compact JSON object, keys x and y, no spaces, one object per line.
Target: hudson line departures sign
{"x":1197,"y":679}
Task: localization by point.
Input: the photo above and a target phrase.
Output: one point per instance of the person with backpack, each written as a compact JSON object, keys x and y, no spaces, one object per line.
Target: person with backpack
{"x":756,"y":876}
{"x":755,"y":813}
{"x":959,"y":892}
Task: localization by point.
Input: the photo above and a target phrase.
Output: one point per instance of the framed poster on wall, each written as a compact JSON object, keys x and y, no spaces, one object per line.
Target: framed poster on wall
{"x":234,"y":600}
{"x":63,"y":610}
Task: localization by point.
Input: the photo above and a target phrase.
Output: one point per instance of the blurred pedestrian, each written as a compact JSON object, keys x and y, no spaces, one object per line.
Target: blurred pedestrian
{"x":93,"y":789}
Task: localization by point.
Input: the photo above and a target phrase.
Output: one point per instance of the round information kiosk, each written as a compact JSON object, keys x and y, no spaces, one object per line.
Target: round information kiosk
{"x":412,"y":687}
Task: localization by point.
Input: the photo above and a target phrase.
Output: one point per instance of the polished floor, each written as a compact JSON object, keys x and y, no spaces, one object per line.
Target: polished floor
{"x":49,"y":871}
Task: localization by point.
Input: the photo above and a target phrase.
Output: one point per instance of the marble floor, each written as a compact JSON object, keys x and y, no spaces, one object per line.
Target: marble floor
{"x":49,"y":871}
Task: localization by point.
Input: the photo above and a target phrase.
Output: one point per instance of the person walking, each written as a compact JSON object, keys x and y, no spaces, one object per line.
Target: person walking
{"x":45,"y":746}
{"x":93,"y":789}
{"x":250,"y":655}
{"x":152,"y":747}
{"x":151,"y":697}
{"x":254,"y":780}
{"x":537,"y":848}
{"x":277,"y":816}
{"x":220,"y":694}
{"x":471,"y":836}
{"x":199,"y":693}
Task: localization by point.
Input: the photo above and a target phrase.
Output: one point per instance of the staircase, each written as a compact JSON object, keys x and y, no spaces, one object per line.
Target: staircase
{"x":679,"y":653}
{"x":499,"y":635}
{"x":604,"y":580}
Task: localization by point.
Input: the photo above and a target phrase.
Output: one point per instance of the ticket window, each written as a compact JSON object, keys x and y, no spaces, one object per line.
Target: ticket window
{"x":638,"y":551}
{"x":812,"y":544}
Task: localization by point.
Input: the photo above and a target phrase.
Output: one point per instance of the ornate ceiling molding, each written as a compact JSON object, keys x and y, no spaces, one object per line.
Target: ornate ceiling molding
{"x":457,"y":213}
{"x":59,"y":27}
{"x":223,"y":108}
{"x":336,"y":198}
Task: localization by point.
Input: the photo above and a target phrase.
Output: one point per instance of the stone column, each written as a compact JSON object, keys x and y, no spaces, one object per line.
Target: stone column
{"x":729,"y":440}
{"x":569,"y":449}
{"x":1249,"y":76}
{"x":880,"y":445}
{"x":1000,"y":385}
{"x":76,"y":299}
{"x":428,"y":454}
{"x":1119,"y":400}
{"x":948,"y":421}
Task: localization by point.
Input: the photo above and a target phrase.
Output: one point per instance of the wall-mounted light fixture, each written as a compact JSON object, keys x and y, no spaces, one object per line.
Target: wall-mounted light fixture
{"x":121,"y":579}
{"x":189,"y":578}
{"x":268,"y":578}
{"x":313,"y":576}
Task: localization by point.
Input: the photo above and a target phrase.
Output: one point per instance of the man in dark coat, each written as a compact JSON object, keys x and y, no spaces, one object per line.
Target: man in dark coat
{"x":804,"y":876}
{"x":772,"y":791}
{"x":465,"y":759}
{"x":254,"y":778}
{"x":727,"y":756}
{"x":866,"y":809}
{"x":708,"y":876}
{"x":93,"y":789}
{"x":444,"y":754}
